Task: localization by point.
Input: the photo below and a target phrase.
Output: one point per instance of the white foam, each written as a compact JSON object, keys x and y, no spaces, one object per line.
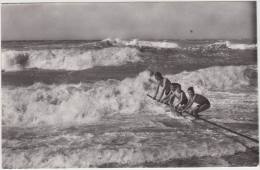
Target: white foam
{"x":154,"y":44}
{"x":240,"y":46}
{"x":69,"y":59}
{"x":83,"y":103}
{"x":61,"y":104}
{"x":132,"y":150}
{"x":217,"y":78}
{"x":222,"y":45}
{"x":142,"y":43}
{"x":234,"y":46}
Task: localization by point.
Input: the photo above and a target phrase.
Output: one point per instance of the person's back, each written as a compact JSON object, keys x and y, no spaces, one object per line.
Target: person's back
{"x":199,"y":99}
{"x":164,"y":83}
{"x":167,"y":85}
{"x":196,"y":104}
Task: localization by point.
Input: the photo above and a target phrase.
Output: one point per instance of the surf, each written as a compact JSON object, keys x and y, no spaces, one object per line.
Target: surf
{"x":68,"y":59}
{"x":143,"y":43}
{"x":42,"y":104}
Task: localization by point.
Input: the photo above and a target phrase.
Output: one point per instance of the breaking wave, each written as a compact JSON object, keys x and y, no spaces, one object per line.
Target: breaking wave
{"x":117,"y":148}
{"x":42,"y":104}
{"x":240,"y":46}
{"x":170,"y":45}
{"x":142,"y":43}
{"x":218,"y":78}
{"x":230,"y":45}
{"x":220,"y":45}
{"x":69,"y":59}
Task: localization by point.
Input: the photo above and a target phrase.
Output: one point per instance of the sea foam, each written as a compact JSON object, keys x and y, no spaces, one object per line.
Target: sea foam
{"x":104,"y":149}
{"x":68,"y":59}
{"x":143,"y":43}
{"x":233,"y":46}
{"x":42,"y":104}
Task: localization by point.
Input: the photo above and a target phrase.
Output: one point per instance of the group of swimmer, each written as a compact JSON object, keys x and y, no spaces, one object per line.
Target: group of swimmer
{"x":171,"y":91}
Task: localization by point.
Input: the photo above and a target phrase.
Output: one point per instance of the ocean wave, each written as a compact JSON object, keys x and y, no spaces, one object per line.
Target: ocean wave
{"x":83,"y":103}
{"x":222,"y":45}
{"x":240,"y":46}
{"x":218,"y":78}
{"x":42,"y":104}
{"x":142,"y":43}
{"x":230,"y":45}
{"x":125,"y":149}
{"x":69,"y":59}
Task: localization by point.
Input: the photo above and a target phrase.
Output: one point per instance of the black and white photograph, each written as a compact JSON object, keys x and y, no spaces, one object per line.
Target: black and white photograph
{"x":154,"y":84}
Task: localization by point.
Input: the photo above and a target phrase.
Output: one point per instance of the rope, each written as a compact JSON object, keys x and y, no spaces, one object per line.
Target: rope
{"x":217,"y":125}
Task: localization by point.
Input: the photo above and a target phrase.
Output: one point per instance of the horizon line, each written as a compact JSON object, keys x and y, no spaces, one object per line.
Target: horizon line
{"x":134,"y":39}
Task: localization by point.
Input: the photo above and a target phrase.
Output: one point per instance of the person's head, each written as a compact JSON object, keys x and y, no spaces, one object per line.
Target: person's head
{"x":178,"y":87}
{"x":158,"y":76}
{"x":173,"y":86}
{"x":151,"y":72}
{"x":191,"y":91}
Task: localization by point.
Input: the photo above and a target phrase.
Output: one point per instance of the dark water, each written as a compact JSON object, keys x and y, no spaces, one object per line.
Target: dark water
{"x":167,"y":61}
{"x":101,"y":116}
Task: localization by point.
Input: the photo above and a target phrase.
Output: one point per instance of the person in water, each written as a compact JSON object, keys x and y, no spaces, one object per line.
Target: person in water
{"x":169,"y":99}
{"x":182,"y":98}
{"x":177,"y":93}
{"x":164,"y":83}
{"x":196,"y":104}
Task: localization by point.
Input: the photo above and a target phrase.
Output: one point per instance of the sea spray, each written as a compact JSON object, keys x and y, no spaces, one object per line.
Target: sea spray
{"x":68,"y":59}
{"x":125,"y":148}
{"x":240,"y":46}
{"x":42,"y":104}
{"x":217,"y":78}
{"x":143,"y":43}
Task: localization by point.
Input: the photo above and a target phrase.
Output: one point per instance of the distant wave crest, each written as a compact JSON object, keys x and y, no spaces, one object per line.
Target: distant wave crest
{"x":142,"y":43}
{"x":172,"y":45}
{"x":67,"y":59}
{"x":240,"y":46}
{"x":230,"y":45}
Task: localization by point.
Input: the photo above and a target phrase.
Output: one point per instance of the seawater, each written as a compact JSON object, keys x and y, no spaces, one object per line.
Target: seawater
{"x":84,"y":104}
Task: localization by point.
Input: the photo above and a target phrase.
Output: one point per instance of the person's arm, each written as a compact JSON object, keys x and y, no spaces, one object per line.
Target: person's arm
{"x":172,"y":96}
{"x":167,"y":96}
{"x":179,"y":100}
{"x":190,"y":102}
{"x":156,"y":92}
{"x":161,"y":94}
{"x":164,"y":85}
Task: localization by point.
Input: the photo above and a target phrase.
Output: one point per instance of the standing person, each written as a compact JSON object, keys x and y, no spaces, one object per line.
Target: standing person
{"x":196,"y":104}
{"x":164,"y":83}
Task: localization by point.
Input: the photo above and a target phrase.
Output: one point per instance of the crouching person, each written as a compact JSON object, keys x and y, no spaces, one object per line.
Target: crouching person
{"x":196,"y":104}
